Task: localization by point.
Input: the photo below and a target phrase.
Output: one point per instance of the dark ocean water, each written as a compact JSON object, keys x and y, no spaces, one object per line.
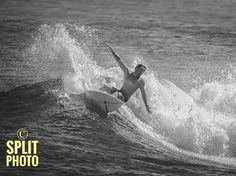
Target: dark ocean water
{"x":53,"y":51}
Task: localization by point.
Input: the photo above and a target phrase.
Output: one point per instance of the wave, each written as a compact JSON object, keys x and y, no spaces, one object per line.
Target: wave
{"x":201,"y":122}
{"x":31,"y":97}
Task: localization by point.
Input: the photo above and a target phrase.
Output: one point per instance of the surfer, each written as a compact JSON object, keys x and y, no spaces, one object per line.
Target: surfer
{"x":132,"y":82}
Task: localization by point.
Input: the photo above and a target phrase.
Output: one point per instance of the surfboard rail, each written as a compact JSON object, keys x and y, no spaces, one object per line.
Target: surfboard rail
{"x":103,"y":101}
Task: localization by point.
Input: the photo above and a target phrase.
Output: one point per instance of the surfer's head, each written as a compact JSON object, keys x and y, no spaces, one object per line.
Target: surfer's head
{"x":139,"y":69}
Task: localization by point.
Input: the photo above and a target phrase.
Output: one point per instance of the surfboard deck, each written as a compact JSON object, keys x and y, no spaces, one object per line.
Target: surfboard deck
{"x":103,"y":101}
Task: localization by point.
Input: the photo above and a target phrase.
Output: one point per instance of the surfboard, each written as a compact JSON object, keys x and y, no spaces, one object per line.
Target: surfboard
{"x":105,"y":102}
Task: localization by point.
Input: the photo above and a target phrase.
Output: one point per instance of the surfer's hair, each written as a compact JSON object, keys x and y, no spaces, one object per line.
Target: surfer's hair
{"x":140,"y":66}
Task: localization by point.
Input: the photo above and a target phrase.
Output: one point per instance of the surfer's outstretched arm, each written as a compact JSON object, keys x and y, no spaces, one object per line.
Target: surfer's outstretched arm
{"x":141,"y":86}
{"x":120,"y":62}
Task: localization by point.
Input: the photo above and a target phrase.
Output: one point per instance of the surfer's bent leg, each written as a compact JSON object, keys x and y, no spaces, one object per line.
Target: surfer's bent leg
{"x":113,"y":90}
{"x":121,"y":96}
{"x":108,"y":89}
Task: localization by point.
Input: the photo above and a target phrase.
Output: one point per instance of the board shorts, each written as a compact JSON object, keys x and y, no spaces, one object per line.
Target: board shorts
{"x":115,"y":92}
{"x":120,"y":96}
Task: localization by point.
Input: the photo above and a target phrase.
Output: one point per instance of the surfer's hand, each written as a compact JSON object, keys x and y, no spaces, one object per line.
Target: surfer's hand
{"x":148,"y":108}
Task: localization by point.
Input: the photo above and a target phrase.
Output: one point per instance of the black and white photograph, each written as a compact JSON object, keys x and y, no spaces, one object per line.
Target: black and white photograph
{"x":117,"y":87}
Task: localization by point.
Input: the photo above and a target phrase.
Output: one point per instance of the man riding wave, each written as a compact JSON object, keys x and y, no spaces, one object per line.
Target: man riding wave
{"x":132,"y":82}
